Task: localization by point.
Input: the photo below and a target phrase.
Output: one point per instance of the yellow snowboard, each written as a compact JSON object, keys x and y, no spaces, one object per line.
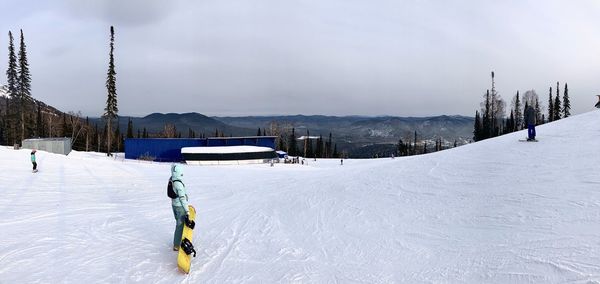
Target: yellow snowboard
{"x":184,"y":260}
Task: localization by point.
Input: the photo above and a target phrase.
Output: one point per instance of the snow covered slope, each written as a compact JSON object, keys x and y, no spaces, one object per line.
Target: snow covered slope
{"x":497,"y":211}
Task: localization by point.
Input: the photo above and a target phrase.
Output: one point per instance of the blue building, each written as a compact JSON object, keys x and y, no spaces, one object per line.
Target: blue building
{"x":169,"y":149}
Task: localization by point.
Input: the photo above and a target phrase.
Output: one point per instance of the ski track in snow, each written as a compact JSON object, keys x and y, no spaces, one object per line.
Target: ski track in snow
{"x":496,"y":211}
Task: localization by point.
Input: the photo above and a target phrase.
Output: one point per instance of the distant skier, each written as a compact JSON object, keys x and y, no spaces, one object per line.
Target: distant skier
{"x":530,"y":121}
{"x":33,"y":160}
{"x":598,"y":103}
{"x":179,"y":203}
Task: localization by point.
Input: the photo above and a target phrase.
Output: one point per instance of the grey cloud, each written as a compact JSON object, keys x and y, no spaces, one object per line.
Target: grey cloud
{"x":121,"y":12}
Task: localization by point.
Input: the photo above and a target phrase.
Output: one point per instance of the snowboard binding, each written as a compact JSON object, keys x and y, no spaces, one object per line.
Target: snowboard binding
{"x":188,"y":247}
{"x":189,"y":223}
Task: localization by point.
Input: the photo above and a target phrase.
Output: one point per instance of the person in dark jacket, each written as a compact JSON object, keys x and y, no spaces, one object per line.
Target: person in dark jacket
{"x":598,"y":103}
{"x":530,"y":121}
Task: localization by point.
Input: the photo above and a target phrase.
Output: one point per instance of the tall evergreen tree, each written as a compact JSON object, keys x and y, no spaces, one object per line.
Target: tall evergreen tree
{"x":566,"y":109}
{"x":308,"y":147}
{"x":292,"y":144}
{"x":557,"y":105}
{"x":415,"y":144}
{"x":130,"y":128}
{"x":518,"y":115}
{"x":111,"y":110}
{"x":477,"y":127}
{"x":281,"y":145}
{"x":23,"y":84}
{"x":486,"y":120}
{"x":39,"y":123}
{"x":550,"y":106}
{"x":258,"y":132}
{"x":510,"y":122}
{"x":329,"y":153}
{"x":12,"y":76}
{"x":320,"y":148}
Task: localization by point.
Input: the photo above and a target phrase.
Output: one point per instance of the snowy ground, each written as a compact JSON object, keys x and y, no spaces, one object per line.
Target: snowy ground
{"x":497,"y":211}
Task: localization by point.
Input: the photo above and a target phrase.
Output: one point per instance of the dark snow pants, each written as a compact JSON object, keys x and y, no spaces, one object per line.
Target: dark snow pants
{"x":531,"y":131}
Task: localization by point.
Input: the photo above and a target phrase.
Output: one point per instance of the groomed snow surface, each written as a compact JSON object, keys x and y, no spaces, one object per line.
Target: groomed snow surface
{"x":496,"y":211}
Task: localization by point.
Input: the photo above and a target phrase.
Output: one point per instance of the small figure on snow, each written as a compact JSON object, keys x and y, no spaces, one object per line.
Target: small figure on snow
{"x":530,"y":121}
{"x":598,"y":103}
{"x":179,"y":203}
{"x":33,"y":160}
{"x":342,"y":162}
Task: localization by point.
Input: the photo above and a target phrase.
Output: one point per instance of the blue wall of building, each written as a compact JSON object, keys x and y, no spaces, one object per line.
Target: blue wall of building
{"x":169,"y":149}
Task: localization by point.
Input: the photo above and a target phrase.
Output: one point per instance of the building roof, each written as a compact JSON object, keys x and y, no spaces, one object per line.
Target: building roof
{"x":225,"y":149}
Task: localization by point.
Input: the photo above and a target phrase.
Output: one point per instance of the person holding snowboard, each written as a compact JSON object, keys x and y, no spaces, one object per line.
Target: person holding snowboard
{"x":530,"y":121}
{"x":33,"y":160}
{"x":179,"y":203}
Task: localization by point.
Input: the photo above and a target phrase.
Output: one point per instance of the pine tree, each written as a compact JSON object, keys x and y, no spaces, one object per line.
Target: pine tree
{"x":477,"y":127}
{"x":518,"y":115}
{"x":566,"y":109}
{"x":23,"y":84}
{"x":415,"y":144}
{"x":130,"y":128}
{"x":335,"y":151}
{"x":320,"y":147}
{"x":329,"y":142}
{"x":145,"y":133}
{"x":550,"y":106}
{"x":111,"y":110}
{"x":39,"y":123}
{"x":308,"y":148}
{"x":281,"y":145}
{"x":486,"y":121}
{"x":292,"y":144}
{"x":12,"y":76}
{"x":258,"y":132}
{"x":557,"y":104}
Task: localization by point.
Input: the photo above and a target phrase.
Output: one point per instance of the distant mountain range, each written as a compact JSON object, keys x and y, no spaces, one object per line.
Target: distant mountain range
{"x":364,"y":136}
{"x":360,"y":136}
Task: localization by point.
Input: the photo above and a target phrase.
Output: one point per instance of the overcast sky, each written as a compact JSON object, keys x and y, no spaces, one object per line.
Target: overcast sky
{"x":331,"y":57}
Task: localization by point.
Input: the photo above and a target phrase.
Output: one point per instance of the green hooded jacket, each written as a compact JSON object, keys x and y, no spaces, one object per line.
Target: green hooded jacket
{"x":181,"y":200}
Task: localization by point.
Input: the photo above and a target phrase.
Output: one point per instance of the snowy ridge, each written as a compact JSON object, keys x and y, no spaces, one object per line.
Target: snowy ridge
{"x":496,"y":211}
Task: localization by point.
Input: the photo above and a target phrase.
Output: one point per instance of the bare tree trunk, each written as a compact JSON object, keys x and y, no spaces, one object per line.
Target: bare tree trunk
{"x":108,"y":131}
